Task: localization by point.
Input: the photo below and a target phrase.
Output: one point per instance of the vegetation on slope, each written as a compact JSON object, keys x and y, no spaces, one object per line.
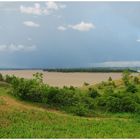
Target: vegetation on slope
{"x":20,"y":119}
{"x":112,"y":109}
{"x":104,"y":97}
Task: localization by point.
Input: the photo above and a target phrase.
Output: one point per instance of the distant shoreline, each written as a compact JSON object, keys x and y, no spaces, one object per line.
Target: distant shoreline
{"x":73,"y":70}
{"x":91,"y":70}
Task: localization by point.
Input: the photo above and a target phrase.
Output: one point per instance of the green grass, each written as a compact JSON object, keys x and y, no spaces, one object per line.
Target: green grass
{"x":22,"y":120}
{"x":36,"y":124}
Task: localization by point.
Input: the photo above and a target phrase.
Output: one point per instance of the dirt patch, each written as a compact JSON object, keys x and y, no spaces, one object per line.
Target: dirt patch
{"x":12,"y":103}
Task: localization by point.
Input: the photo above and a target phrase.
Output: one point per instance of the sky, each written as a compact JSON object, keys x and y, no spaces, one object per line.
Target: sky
{"x":69,"y":34}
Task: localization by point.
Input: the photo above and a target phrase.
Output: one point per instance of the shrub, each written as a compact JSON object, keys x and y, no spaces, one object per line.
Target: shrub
{"x":80,"y":110}
{"x":136,"y":80}
{"x":62,"y":97}
{"x":109,"y":79}
{"x":29,"y":89}
{"x":108,"y":90}
{"x":113,"y":104}
{"x":86,"y":84}
{"x":126,"y":77}
{"x":119,"y":102}
{"x":101,"y":102}
{"x":93,"y":93}
{"x":135,"y":98}
{"x":9,"y":79}
{"x":52,"y":96}
{"x":103,"y":84}
{"x":38,"y":77}
{"x":128,"y":105}
{"x":72,"y":88}
{"x":1,"y":77}
{"x":131,"y":88}
{"x":89,"y":102}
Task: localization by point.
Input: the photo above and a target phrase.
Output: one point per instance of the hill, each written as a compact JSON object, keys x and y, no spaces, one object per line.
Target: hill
{"x":20,"y":119}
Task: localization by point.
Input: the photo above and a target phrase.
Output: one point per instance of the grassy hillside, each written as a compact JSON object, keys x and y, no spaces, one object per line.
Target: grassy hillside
{"x":20,"y":119}
{"x":31,"y":109}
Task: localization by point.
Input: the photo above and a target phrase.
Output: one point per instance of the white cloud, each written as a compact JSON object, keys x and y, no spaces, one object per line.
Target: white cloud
{"x":138,"y":40}
{"x":37,"y":9}
{"x":62,"y":28}
{"x":52,"y":5}
{"x":31,"y":10}
{"x":16,"y":48}
{"x":117,"y":64}
{"x":83,"y":26}
{"x":31,"y":24}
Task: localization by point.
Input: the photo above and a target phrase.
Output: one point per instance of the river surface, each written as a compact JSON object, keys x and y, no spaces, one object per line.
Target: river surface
{"x":60,"y":79}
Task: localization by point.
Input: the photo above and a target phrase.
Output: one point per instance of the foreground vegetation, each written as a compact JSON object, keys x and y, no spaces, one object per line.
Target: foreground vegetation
{"x":111,"y":109}
{"x":19,"y":119}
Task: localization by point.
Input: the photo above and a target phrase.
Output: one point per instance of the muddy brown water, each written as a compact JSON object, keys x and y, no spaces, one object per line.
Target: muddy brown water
{"x":60,"y":79}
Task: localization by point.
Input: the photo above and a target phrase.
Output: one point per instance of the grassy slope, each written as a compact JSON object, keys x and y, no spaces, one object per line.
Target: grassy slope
{"x":20,"y":119}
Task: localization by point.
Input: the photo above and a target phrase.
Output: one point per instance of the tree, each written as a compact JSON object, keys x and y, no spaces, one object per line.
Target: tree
{"x":126,"y":77}
{"x":1,"y":77}
{"x":109,"y":79}
{"x":93,"y":93}
{"x":136,"y":80}
{"x":131,"y":88}
{"x":38,"y":77}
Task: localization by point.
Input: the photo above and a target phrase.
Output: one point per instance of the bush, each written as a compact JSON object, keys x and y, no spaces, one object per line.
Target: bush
{"x":136,"y":80}
{"x":86,"y":84}
{"x":108,"y":90}
{"x":131,"y":88}
{"x":93,"y":93}
{"x":88,"y":102}
{"x":126,"y":77}
{"x":30,"y":90}
{"x":1,"y":77}
{"x":80,"y":110}
{"x":62,"y":97}
{"x":70,"y":101}
{"x":128,"y":105}
{"x":113,"y":104}
{"x":72,"y":88}
{"x":119,"y":102}
{"x":109,"y":79}
{"x":52,"y":96}
{"x":9,"y":79}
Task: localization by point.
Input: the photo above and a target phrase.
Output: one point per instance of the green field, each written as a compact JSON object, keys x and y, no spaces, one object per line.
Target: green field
{"x":27,"y":119}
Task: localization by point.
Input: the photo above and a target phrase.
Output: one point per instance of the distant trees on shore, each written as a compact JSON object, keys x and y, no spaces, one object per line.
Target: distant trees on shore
{"x":89,"y":70}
